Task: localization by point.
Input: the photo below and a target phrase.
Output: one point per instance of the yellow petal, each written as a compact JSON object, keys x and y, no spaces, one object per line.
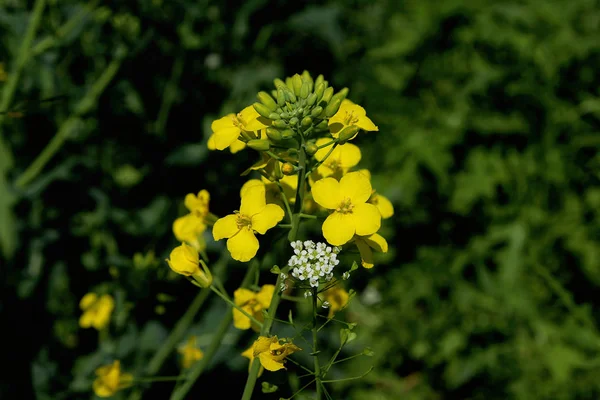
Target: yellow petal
{"x":339,"y":228}
{"x":225,"y":227}
{"x":263,"y":344}
{"x":366,"y":124}
{"x":244,"y":245}
{"x":242,"y":296}
{"x":184,"y":260}
{"x":384,"y":205}
{"x":269,"y":363}
{"x":365,"y":172}
{"x":366,"y":254}
{"x":226,"y":137}
{"x":240,"y":321}
{"x":367,"y":219}
{"x":251,"y":119}
{"x":249,"y":184}
{"x":377,"y":242}
{"x":188,"y":227}
{"x":265,"y":295}
{"x":355,"y":186}
{"x":87,"y":319}
{"x":87,"y":300}
{"x":326,"y":193}
{"x":211,"y":142}
{"x":270,"y":215}
{"x":321,"y":153}
{"x":253,"y":200}
{"x":236,"y":146}
{"x":348,"y":155}
{"x":222,"y":123}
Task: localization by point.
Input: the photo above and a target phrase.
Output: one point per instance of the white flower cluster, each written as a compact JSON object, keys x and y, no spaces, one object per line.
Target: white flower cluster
{"x":312,"y":261}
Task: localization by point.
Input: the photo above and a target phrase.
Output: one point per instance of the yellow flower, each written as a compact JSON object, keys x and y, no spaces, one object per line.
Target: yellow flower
{"x":271,"y":353}
{"x":190,"y":353}
{"x":341,"y":159}
{"x":366,"y":245}
{"x":184,"y":260}
{"x":228,"y":128}
{"x":110,"y":379}
{"x":337,"y":298}
{"x":272,"y":192}
{"x":350,"y":114}
{"x":249,"y":354}
{"x":255,"y":215}
{"x":383,"y":204}
{"x":189,"y":227}
{"x":351,"y":212}
{"x":252,"y":303}
{"x":96,"y":310}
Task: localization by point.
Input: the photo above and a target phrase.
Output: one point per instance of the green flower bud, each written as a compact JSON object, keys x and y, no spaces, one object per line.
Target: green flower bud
{"x":341,"y":95}
{"x":316,"y":111}
{"x":348,"y":133}
{"x":294,"y":121}
{"x":323,"y":125}
{"x":327,"y":94}
{"x":304,"y":90}
{"x":279,"y":123}
{"x":277,"y":174}
{"x":267,"y":100}
{"x":274,"y":134}
{"x":288,"y":134}
{"x":289,"y":83}
{"x":332,"y":107}
{"x":280,"y":97}
{"x":279,"y":84}
{"x":311,"y":99}
{"x":306,"y":122}
{"x":300,"y":111}
{"x":311,"y":149}
{"x":274,"y":93}
{"x":274,"y":116}
{"x":307,"y":78}
{"x":297,"y":84}
{"x":320,"y":79}
{"x":320,"y":89}
{"x":259,"y":144}
{"x":262,"y":109}
{"x":290,"y":96}
{"x":284,"y":115}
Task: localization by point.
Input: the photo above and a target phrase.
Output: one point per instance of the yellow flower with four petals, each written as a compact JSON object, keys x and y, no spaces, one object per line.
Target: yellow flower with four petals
{"x":272,"y":353}
{"x":253,"y":304}
{"x":190,"y":353}
{"x":96,"y":310}
{"x":110,"y":379}
{"x":350,"y":114}
{"x":227,"y":130}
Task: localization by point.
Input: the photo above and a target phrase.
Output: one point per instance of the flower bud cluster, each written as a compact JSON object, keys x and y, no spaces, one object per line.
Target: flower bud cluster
{"x":313,"y":262}
{"x":300,"y":104}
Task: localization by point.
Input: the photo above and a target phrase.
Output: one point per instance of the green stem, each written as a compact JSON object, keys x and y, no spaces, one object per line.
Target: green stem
{"x":323,"y":160}
{"x":84,"y":105}
{"x":169,"y":94}
{"x":285,"y":201}
{"x":307,"y":216}
{"x":349,"y":379}
{"x":326,"y":144}
{"x":9,"y":89}
{"x":315,"y":347}
{"x":275,"y":156}
{"x":159,"y":379}
{"x":180,"y":392}
{"x":232,"y":304}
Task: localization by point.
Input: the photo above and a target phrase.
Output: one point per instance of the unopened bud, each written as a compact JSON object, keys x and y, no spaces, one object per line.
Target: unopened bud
{"x":327,"y":94}
{"x":289,"y":83}
{"x":348,"y":133}
{"x":267,"y":100}
{"x":311,"y":149}
{"x":280,"y":97}
{"x":290,"y":96}
{"x":288,"y":134}
{"x":304,"y":90}
{"x":307,"y":78}
{"x":311,"y":99}
{"x":259,"y":144}
{"x":320,"y":79}
{"x":288,"y":169}
{"x":274,"y":134}
{"x":341,"y":95}
{"x":322,"y":125}
{"x":279,"y":83}
{"x":332,"y":107}
{"x":297,"y":84}
{"x":294,"y":121}
{"x":319,"y":90}
{"x":274,"y":116}
{"x":306,"y":122}
{"x":277,"y":173}
{"x":281,"y":124}
{"x":316,"y":111}
{"x":262,"y":109}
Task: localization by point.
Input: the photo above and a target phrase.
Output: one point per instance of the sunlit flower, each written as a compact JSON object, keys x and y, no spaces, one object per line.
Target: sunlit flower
{"x":190,"y":353}
{"x":255,"y":215}
{"x":249,"y":354}
{"x":110,"y":379}
{"x":228,"y":128}
{"x":337,"y":298}
{"x":350,"y":114}
{"x":253,"y":304}
{"x":271,"y":353}
{"x":351,"y":213}
{"x":366,"y":245}
{"x":342,"y":158}
{"x":185,"y":260}
{"x":96,"y":310}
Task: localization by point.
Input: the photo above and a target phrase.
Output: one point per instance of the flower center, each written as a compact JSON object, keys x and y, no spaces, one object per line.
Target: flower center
{"x":345,"y":206}
{"x":238,"y":121}
{"x":243,"y":221}
{"x":277,"y":352}
{"x":350,"y":118}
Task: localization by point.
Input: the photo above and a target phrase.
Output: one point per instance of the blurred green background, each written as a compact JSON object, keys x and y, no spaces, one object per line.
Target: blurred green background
{"x":489,"y":116}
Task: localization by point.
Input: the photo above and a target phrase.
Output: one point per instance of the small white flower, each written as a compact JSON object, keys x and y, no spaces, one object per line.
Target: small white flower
{"x":307,"y":293}
{"x":325,"y":304}
{"x":283,"y":287}
{"x":283,"y":275}
{"x":346,"y":275}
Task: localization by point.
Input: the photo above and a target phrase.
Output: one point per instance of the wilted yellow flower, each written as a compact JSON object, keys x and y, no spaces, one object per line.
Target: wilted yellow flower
{"x":350,"y":114}
{"x":252,"y":303}
{"x":185,"y":260}
{"x":337,"y":298}
{"x":255,"y":215}
{"x":190,"y":353}
{"x":96,"y":310}
{"x":366,"y":245}
{"x":249,"y":354}
{"x":110,"y":379}
{"x":228,"y":128}
{"x":351,"y":212}
{"x":271,"y":353}
{"x":341,"y":159}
